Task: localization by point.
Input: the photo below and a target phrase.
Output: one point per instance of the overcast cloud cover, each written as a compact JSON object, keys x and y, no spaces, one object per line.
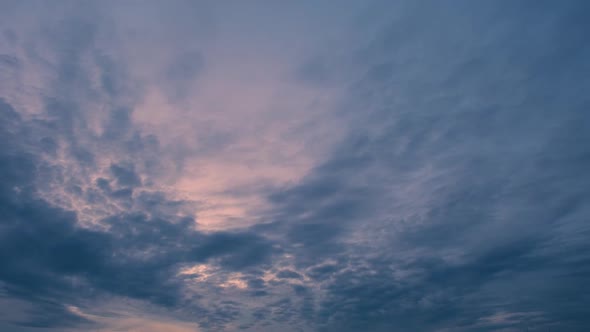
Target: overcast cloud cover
{"x":294,"y":166}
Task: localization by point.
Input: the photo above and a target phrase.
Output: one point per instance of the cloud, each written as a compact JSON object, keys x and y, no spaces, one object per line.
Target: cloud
{"x":47,"y":255}
{"x":446,"y":198}
{"x":181,"y":73}
{"x":288,"y":274}
{"x":400,"y":166}
{"x":125,"y":176}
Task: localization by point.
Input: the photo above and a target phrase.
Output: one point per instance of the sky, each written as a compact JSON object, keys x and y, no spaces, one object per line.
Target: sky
{"x":294,"y":166}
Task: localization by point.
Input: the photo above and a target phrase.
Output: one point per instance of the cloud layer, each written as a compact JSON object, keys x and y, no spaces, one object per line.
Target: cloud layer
{"x":385,"y":166}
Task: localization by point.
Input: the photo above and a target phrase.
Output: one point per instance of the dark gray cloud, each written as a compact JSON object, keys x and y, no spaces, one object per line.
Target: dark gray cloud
{"x":288,"y":274}
{"x":125,"y":176}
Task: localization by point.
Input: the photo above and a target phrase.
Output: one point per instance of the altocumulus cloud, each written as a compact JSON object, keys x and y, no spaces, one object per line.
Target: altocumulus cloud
{"x":448,"y":189}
